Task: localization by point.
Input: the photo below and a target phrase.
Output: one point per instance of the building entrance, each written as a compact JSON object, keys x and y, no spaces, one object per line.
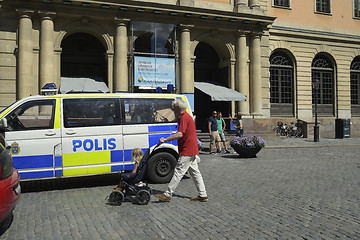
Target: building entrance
{"x":83,"y":55}
{"x":207,"y":70}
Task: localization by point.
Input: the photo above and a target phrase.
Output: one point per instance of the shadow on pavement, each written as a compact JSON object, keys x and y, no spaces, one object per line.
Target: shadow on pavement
{"x":5,"y":225}
{"x":69,"y":183}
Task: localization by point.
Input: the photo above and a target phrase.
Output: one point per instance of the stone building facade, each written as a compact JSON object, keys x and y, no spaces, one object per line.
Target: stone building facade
{"x":247,"y":45}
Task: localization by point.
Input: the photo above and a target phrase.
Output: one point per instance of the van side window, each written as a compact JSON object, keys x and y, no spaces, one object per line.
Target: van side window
{"x":91,"y":112}
{"x":32,"y":115}
{"x":147,"y":111}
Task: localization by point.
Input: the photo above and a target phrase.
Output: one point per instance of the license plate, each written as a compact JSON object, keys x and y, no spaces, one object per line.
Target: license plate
{"x":17,"y":189}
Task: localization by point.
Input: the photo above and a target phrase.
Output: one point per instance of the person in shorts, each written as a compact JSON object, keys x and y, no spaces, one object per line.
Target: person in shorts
{"x":214,"y":133}
{"x":221,"y":128}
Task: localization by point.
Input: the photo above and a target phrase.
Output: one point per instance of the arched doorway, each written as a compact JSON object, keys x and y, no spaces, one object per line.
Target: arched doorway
{"x":83,"y":55}
{"x":207,"y":70}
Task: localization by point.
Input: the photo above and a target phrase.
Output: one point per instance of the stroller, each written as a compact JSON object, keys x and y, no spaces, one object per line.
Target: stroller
{"x":133,"y":185}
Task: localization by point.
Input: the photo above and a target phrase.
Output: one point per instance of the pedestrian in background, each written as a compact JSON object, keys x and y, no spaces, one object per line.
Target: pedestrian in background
{"x":238,"y":125}
{"x":188,"y":154}
{"x":221,"y":128}
{"x":214,"y":133}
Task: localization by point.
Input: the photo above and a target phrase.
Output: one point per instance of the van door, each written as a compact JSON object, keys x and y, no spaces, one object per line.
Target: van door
{"x":34,"y":133}
{"x":146,"y":120}
{"x":92,"y":136}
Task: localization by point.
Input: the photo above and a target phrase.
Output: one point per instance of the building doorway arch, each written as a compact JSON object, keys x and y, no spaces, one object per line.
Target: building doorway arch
{"x":206,"y":69}
{"x":83,"y":55}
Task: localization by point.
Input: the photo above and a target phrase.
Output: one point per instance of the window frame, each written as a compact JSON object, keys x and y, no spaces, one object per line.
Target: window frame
{"x":116,"y":117}
{"x":281,"y":6}
{"x":286,"y":64}
{"x":356,"y":9}
{"x":355,"y":76}
{"x":124,"y":111}
{"x":33,"y":104}
{"x":323,"y":108}
{"x":323,"y":12}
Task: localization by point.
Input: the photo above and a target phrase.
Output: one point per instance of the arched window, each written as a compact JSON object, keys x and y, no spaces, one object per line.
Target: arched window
{"x":355,"y":86}
{"x":281,"y":84}
{"x":322,"y":72}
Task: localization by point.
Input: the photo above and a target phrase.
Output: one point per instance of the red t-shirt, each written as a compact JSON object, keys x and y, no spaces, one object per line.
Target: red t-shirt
{"x":188,"y":143}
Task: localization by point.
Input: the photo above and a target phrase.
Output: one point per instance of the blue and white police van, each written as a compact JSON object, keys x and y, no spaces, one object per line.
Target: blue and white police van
{"x":86,"y":134}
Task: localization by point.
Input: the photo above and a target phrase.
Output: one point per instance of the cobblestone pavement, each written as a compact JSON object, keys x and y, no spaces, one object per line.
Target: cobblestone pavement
{"x":285,"y":193}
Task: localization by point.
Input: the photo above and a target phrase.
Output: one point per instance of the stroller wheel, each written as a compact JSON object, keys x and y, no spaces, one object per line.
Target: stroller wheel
{"x":116,"y":198}
{"x":143,"y":197}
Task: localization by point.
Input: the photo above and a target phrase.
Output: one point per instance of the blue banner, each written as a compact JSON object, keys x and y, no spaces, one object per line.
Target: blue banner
{"x":154,"y":72}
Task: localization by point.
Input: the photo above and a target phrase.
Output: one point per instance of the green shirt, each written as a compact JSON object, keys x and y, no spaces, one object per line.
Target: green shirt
{"x":220,"y":124}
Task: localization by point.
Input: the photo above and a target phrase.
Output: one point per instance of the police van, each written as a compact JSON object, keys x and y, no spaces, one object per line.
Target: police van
{"x":85,"y":134}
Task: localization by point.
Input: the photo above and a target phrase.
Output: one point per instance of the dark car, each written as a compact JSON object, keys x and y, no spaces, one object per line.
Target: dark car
{"x":9,"y":182}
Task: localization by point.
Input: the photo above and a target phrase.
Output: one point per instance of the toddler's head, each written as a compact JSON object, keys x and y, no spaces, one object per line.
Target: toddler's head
{"x":137,"y":155}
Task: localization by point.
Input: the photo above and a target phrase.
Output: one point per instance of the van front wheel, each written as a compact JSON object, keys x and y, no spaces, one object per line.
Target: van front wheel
{"x":161,"y":167}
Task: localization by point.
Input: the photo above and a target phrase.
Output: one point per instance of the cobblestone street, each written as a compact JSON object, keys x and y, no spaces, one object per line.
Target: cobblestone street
{"x":284,"y":193}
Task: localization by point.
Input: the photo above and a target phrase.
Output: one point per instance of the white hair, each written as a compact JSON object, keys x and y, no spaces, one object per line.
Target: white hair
{"x":179,"y":103}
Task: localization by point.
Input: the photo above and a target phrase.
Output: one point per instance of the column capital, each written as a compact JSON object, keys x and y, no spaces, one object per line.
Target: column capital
{"x":256,"y":34}
{"x":44,"y":14}
{"x":22,"y":12}
{"x":185,"y":27}
{"x":120,"y":21}
{"x":240,"y":33}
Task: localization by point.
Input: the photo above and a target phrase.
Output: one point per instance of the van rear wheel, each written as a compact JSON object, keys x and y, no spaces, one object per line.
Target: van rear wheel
{"x":161,"y":167}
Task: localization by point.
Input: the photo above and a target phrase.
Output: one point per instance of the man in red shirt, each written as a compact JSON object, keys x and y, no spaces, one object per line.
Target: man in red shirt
{"x":188,"y":154}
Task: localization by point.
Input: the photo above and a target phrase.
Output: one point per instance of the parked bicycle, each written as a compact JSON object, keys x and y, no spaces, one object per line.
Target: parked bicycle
{"x":289,"y":130}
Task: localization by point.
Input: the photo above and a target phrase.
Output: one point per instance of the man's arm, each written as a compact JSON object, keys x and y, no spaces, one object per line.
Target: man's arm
{"x":209,"y":125}
{"x":173,"y":137}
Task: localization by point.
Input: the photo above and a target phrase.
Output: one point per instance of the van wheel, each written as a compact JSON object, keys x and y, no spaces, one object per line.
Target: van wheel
{"x":161,"y":167}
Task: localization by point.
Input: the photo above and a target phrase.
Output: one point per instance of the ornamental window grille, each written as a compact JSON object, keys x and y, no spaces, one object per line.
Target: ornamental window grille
{"x":323,"y":6}
{"x":357,"y":8}
{"x":281,"y":84}
{"x":282,"y":3}
{"x":355,"y":86}
{"x":322,"y":71}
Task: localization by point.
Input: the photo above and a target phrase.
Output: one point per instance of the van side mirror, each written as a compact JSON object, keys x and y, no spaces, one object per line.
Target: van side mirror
{"x":3,"y":124}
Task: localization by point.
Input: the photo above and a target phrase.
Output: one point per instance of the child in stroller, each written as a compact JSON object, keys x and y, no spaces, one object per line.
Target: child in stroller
{"x":131,"y":183}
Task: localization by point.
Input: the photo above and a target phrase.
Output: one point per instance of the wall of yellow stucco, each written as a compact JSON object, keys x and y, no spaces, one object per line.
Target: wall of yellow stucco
{"x":303,"y":12}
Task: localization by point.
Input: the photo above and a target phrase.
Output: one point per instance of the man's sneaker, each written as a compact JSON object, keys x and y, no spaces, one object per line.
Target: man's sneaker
{"x":227,"y":151}
{"x":218,"y":151}
{"x":212,"y":153}
{"x":162,"y":197}
{"x":201,"y":199}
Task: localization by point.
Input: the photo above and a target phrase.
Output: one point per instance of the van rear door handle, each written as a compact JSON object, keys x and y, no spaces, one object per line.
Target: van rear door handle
{"x":71,"y":132}
{"x":50,"y":133}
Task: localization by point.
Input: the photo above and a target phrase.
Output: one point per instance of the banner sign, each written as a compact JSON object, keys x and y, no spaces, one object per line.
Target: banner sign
{"x":154,"y":72}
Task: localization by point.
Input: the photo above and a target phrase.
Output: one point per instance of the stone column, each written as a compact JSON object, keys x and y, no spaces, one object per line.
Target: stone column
{"x":121,"y":74}
{"x":254,"y":3}
{"x":187,"y":86}
{"x":241,"y":77}
{"x":24,"y":86}
{"x":255,"y":75}
{"x":240,"y":3}
{"x":232,"y":71}
{"x":46,"y":49}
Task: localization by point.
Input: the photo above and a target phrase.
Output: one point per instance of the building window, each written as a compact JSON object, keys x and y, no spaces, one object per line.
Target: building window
{"x":355,"y":86}
{"x":153,"y":55}
{"x":322,"y":71}
{"x":281,"y":3}
{"x":281,"y":85}
{"x":357,"y":8}
{"x":323,"y":6}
